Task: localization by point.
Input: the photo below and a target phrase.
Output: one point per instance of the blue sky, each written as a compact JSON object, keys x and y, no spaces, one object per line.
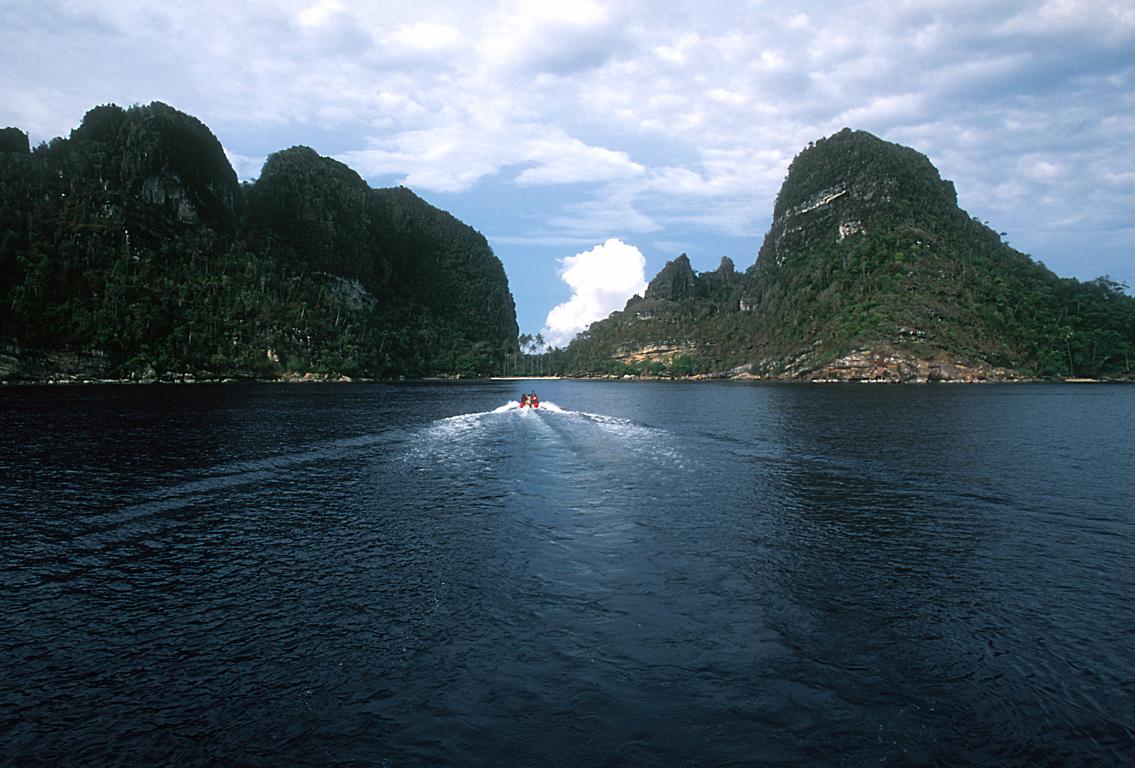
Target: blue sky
{"x":591,"y":142}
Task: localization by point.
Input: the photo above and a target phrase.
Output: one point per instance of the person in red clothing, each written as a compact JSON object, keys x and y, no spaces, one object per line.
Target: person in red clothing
{"x":533,"y":401}
{"x":523,"y":400}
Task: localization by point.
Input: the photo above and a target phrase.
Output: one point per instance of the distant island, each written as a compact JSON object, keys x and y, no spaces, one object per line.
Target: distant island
{"x":130,"y":251}
{"x":869,"y":272}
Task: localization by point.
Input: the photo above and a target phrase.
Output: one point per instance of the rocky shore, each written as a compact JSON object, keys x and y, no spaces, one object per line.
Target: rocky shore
{"x":892,"y":365}
{"x":882,"y":365}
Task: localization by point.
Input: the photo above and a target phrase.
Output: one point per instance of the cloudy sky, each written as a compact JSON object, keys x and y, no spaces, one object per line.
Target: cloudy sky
{"x":591,"y":142}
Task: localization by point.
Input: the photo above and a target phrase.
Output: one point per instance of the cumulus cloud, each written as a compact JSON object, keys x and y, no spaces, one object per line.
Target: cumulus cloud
{"x":601,"y":281}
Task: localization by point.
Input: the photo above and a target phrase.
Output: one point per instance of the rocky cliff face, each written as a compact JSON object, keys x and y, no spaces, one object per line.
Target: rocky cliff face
{"x":851,"y":185}
{"x":163,"y":167}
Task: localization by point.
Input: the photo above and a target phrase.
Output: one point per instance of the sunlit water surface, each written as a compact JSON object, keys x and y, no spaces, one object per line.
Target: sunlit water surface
{"x":635,"y":574}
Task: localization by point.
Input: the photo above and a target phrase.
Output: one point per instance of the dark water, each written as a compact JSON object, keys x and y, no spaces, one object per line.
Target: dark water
{"x":703,"y":574}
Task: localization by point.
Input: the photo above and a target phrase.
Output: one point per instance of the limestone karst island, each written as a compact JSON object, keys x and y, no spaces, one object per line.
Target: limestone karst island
{"x":130,"y":251}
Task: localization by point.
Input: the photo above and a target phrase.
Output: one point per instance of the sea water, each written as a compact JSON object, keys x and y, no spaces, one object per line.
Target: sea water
{"x":632,"y":574}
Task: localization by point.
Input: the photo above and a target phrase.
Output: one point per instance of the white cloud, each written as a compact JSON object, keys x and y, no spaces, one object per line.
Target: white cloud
{"x":601,"y":280}
{"x":1111,"y":19}
{"x":562,"y":159}
{"x":885,"y":110}
{"x":799,"y":21}
{"x":424,"y":36}
{"x":678,"y":53}
{"x":1040,"y":170}
{"x":319,"y":14}
{"x":563,"y":38}
{"x":447,"y":158}
{"x":727,"y":97}
{"x":453,"y":158}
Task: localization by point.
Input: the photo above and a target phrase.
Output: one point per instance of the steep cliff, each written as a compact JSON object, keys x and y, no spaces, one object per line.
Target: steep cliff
{"x":418,"y":262}
{"x":164,"y":169}
{"x":316,"y":212}
{"x":446,"y":267}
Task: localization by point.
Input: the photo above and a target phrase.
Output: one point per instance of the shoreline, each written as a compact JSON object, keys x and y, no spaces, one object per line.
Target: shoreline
{"x":310,"y":378}
{"x":529,"y":378}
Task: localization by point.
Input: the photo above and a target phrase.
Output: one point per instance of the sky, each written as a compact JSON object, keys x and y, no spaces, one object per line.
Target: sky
{"x":591,"y":142}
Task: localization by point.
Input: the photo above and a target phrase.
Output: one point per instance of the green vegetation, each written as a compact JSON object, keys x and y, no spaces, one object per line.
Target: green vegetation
{"x":867,"y":250}
{"x":130,"y":249}
{"x":132,"y":245}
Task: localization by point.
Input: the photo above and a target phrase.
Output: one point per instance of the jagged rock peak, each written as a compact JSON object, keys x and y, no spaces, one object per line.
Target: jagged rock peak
{"x":725,"y":268}
{"x":676,"y":281}
{"x":725,"y":274}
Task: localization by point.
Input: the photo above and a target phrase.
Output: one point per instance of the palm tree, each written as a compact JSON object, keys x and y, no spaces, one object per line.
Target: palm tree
{"x":525,"y":341}
{"x":538,"y":346}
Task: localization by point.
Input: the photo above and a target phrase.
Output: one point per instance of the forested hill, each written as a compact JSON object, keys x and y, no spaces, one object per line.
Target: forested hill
{"x":870,"y":271}
{"x":130,"y":250}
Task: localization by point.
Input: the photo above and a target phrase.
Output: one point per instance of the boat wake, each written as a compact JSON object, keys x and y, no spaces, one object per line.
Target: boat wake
{"x":509,"y":430}
{"x":205,"y":484}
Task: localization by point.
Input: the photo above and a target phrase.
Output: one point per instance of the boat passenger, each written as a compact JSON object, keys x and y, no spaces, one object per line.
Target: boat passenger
{"x":523,"y":400}
{"x":533,"y":401}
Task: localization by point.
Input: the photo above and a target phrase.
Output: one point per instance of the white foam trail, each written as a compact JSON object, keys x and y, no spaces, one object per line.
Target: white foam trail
{"x":454,"y":426}
{"x":458,"y":437}
{"x":652,"y":441}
